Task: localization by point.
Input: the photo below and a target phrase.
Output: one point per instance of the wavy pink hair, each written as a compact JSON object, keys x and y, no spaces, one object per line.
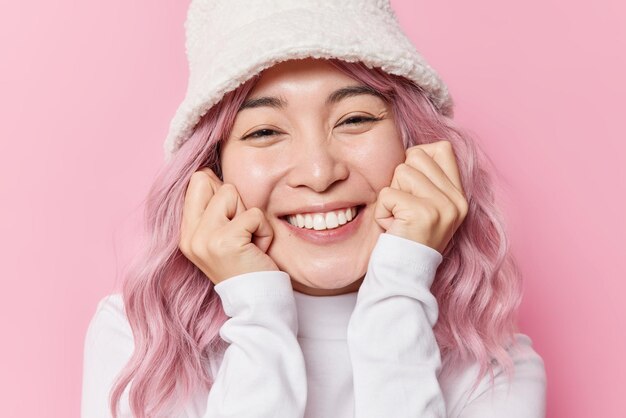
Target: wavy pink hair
{"x":175,"y":315}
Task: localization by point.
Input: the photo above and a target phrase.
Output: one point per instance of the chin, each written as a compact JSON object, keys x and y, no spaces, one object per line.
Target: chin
{"x":320,"y":286}
{"x":326,"y":284}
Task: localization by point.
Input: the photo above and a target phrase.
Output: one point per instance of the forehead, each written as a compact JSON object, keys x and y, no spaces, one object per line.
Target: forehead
{"x":306,"y":79}
{"x":294,"y":75}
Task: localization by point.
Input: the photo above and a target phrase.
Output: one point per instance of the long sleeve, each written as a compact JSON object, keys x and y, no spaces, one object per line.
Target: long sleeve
{"x":107,"y":348}
{"x":263,"y":372}
{"x":523,"y":397}
{"x":394,"y":354}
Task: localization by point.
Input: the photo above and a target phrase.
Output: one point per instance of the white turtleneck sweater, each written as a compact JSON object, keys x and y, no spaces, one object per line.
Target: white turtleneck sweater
{"x":357,"y":355}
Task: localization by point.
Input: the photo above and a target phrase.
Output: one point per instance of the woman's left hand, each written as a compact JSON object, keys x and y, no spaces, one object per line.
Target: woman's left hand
{"x":425,"y":201}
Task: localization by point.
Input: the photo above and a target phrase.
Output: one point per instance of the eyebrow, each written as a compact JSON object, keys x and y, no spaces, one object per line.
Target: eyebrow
{"x":333,"y":98}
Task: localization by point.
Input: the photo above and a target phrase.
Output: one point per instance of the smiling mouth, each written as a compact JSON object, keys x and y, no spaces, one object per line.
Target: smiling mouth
{"x":324,"y":221}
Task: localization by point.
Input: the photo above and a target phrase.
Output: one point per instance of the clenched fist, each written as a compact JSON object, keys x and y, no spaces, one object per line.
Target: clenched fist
{"x":425,"y":201}
{"x":218,"y":234}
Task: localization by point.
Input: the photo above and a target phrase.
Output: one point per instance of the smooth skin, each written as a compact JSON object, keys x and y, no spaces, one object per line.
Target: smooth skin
{"x":309,"y":151}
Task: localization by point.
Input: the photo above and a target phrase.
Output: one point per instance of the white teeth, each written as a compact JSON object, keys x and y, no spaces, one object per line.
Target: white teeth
{"x":331,"y":220}
{"x":318,"y":222}
{"x":321,"y":221}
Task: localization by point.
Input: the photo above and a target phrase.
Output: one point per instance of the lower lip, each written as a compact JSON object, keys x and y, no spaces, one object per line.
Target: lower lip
{"x":328,"y":236}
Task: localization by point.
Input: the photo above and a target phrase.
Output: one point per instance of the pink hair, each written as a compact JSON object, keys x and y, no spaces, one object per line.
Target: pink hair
{"x":175,"y":315}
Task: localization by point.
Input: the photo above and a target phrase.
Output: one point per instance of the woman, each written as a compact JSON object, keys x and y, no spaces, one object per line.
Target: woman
{"x":323,"y":241}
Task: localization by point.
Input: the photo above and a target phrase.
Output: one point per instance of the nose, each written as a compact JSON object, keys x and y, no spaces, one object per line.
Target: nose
{"x":317,"y":164}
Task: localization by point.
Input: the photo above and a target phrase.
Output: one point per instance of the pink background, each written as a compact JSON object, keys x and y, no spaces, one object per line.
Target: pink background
{"x":87,"y":93}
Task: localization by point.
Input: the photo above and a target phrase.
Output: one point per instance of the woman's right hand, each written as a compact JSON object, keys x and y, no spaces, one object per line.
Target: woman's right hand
{"x":217,"y":230}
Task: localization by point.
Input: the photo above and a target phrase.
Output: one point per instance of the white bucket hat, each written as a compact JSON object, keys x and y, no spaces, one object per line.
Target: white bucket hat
{"x":229,"y":41}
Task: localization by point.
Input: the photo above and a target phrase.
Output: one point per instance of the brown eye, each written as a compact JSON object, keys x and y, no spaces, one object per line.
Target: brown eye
{"x":260,"y":133}
{"x":356,"y":120}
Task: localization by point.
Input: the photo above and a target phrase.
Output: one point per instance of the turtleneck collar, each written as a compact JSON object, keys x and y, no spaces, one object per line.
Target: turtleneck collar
{"x":324,"y":317}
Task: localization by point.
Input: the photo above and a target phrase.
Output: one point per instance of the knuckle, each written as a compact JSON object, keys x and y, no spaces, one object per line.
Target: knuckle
{"x":385,"y":190}
{"x":464,"y":207}
{"x":204,"y":173}
{"x":400,"y":169}
{"x":195,"y":178}
{"x":412,"y":150}
{"x":228,"y":188}
{"x":461,"y":201}
{"x":447,"y":147}
{"x":429,"y":213}
{"x":452,"y":213}
{"x":207,"y":170}
{"x":414,"y":158}
{"x":435,"y":214}
{"x":199,"y":176}
{"x":255,"y":211}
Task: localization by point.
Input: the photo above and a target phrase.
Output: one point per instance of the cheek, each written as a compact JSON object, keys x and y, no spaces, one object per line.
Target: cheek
{"x":250,"y":177}
{"x":381,"y":157}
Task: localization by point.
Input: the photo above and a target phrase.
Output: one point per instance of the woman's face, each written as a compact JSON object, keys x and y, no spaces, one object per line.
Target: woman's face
{"x":299,"y":146}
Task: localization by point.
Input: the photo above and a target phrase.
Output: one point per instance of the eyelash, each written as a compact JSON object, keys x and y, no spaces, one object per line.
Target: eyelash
{"x":363,"y":120}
